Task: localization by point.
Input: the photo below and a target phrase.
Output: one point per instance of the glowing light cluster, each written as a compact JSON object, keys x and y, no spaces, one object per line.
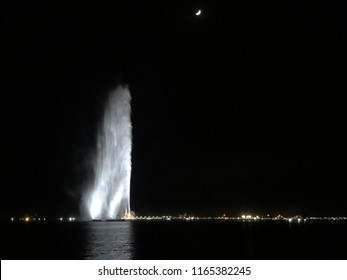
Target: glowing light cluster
{"x":110,"y":195}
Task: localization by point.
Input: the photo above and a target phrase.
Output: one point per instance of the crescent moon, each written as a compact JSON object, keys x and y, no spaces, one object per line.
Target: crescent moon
{"x":198,"y":13}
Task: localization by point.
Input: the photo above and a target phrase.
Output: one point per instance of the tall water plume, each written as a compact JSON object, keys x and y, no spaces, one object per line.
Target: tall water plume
{"x":109,"y":197}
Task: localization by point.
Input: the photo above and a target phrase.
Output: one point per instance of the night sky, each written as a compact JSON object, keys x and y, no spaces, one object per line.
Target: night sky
{"x":240,"y":110}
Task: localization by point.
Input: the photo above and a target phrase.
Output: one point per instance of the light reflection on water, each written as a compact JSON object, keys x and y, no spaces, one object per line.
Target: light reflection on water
{"x":109,"y":240}
{"x":153,"y":240}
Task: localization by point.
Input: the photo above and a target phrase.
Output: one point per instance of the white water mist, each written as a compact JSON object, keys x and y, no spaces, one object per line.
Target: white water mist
{"x":109,"y":197}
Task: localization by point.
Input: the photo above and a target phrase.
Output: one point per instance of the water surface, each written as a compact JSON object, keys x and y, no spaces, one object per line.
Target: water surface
{"x":174,"y":240}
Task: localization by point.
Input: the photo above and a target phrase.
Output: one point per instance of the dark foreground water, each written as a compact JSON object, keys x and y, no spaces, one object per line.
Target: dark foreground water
{"x":174,"y":240}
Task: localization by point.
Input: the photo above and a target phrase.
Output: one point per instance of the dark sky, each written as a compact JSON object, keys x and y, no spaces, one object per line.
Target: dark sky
{"x":239,"y":110}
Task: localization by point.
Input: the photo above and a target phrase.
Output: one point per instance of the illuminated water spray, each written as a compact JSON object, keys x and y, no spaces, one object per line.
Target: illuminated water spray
{"x":110,"y":195}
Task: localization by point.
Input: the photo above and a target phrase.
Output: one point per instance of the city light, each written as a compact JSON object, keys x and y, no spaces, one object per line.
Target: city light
{"x":249,"y":218}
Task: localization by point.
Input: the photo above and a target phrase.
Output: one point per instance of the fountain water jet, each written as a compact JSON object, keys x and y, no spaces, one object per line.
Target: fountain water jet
{"x":109,"y":197}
